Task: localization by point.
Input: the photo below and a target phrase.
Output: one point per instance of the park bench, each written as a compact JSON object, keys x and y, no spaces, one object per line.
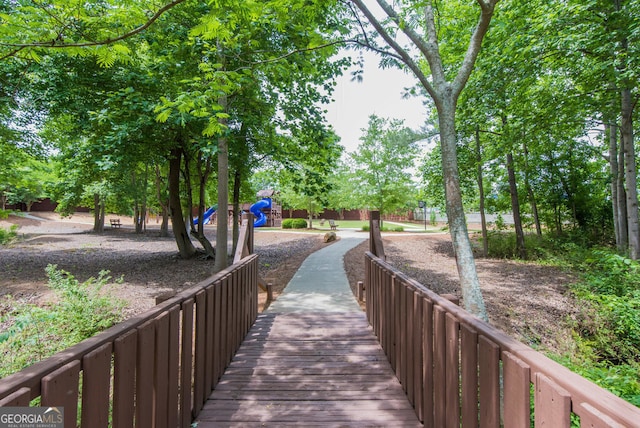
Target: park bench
{"x":115,"y":222}
{"x":333,"y":225}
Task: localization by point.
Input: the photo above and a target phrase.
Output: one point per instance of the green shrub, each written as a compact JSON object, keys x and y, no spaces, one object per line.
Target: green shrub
{"x":432,"y":218}
{"x":4,"y":214}
{"x":36,"y":332}
{"x":7,"y":236}
{"x":607,"y":330}
{"x":299,"y":223}
{"x":294,"y":223}
{"x":622,"y":380}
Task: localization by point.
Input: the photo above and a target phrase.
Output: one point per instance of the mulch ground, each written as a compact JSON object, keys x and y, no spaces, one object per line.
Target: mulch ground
{"x":527,"y":301}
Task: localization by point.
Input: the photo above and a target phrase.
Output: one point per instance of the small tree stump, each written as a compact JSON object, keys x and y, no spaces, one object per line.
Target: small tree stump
{"x":329,"y":236}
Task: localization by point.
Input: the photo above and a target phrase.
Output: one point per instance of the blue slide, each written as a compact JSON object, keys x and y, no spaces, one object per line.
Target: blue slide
{"x":207,"y":215}
{"x":256,"y":210}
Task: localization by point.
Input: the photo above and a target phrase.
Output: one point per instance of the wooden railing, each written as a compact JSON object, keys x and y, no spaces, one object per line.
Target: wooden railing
{"x":154,"y":370}
{"x":460,"y":371}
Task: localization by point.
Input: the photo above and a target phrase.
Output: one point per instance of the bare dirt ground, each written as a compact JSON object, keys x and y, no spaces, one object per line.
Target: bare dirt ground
{"x":527,"y":301}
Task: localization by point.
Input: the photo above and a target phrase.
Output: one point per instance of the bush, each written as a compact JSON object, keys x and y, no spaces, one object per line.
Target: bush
{"x":610,"y":297}
{"x":7,"y":236}
{"x":36,"y":332}
{"x":622,"y":380}
{"x":607,"y":329}
{"x":294,"y":223}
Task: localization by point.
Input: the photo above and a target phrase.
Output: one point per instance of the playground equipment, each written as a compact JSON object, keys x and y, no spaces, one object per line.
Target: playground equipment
{"x":256,"y":210}
{"x":267,"y":211}
{"x":207,"y":215}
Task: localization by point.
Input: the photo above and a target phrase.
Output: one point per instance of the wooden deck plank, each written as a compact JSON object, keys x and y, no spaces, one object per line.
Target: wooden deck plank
{"x":301,"y":405}
{"x":309,"y":369}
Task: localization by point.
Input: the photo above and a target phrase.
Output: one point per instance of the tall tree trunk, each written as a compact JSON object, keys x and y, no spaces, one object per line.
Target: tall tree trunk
{"x":103,"y":209}
{"x":222,"y":230}
{"x":311,"y":212}
{"x":515,"y":207}
{"x":529,"y":189}
{"x":145,"y":181}
{"x":164,"y":225}
{"x":622,"y":201}
{"x":237,"y":181}
{"x":483,"y":219}
{"x":203,"y":174}
{"x":98,"y":213}
{"x":469,"y":283}
{"x":630,"y":174}
{"x":611,"y":132}
{"x":164,"y":205}
{"x":185,"y":246}
{"x":445,"y":95}
{"x":139,"y":206}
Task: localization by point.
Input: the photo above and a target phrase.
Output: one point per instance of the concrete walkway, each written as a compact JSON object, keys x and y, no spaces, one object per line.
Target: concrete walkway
{"x":321,"y":284}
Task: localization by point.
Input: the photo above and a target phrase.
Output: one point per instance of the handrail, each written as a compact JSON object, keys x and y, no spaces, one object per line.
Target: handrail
{"x":457,"y":368}
{"x":166,"y":361}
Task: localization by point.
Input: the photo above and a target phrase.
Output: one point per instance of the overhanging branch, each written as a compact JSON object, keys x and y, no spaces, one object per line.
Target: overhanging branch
{"x":402,"y":53}
{"x":56,"y":44}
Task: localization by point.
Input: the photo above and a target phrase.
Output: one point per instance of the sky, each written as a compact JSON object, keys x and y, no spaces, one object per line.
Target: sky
{"x":379,"y":93}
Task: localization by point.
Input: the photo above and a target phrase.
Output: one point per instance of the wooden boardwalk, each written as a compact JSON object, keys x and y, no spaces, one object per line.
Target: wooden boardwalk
{"x":316,"y":370}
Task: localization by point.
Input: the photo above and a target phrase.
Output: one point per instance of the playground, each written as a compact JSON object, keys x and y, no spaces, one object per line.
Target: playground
{"x":149,"y":264}
{"x":526,"y":301}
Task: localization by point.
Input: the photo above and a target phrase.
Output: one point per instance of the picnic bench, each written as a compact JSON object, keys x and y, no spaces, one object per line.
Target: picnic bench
{"x":333,"y":225}
{"x":115,"y":222}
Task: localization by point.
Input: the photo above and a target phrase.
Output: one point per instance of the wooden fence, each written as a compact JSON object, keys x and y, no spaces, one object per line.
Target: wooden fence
{"x":154,"y":370}
{"x":459,"y":371}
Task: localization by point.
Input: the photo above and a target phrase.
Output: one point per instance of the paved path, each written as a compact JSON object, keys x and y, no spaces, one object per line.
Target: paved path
{"x":321,"y":284}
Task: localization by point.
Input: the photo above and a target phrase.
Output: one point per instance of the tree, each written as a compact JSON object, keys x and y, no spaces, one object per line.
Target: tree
{"x":417,"y":22}
{"x":29,"y":30}
{"x":344,"y":188}
{"x":383,"y":163}
{"x":243,"y":46}
{"x":304,"y":176}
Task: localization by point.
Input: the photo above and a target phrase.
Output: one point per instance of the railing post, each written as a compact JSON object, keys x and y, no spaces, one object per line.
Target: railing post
{"x":244,"y":246}
{"x":373,"y":217}
{"x":250,"y":231}
{"x":269,"y":292}
{"x":452,"y":298}
{"x":375,"y":239}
